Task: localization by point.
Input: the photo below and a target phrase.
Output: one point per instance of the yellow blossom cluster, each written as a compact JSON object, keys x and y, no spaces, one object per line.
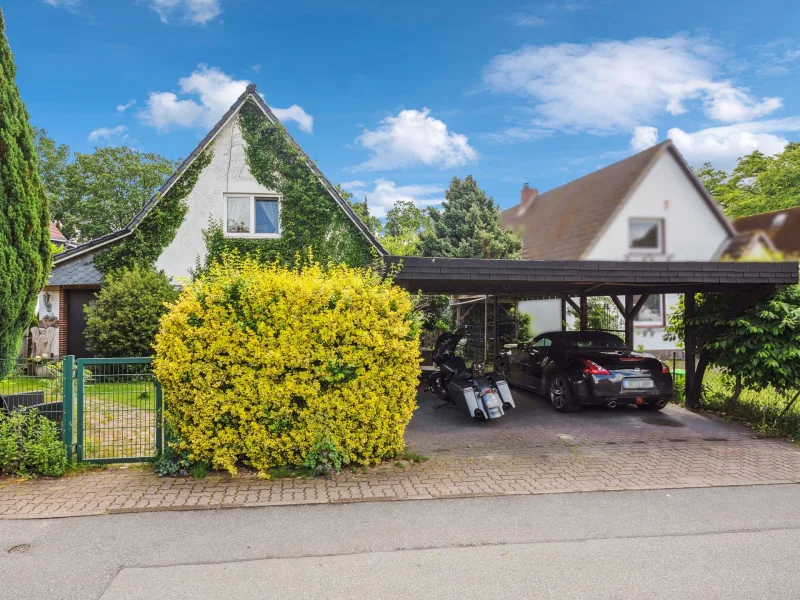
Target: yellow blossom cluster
{"x":259,"y":362}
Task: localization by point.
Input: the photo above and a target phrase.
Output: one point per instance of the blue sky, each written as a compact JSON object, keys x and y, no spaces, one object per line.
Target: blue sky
{"x":394,"y":98}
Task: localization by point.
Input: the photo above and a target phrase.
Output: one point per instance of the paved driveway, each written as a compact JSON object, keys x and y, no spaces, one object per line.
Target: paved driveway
{"x":532,"y":450}
{"x":536,"y":448}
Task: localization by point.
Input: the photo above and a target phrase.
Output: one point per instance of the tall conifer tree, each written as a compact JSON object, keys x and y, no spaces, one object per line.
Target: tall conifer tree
{"x":24,"y":219}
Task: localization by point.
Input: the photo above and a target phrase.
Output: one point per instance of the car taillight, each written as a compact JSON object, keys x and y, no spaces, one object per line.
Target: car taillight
{"x":592,"y":368}
{"x":664,"y":368}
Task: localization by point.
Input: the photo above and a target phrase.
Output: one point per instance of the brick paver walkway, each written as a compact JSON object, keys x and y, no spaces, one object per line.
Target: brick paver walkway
{"x":532,"y":450}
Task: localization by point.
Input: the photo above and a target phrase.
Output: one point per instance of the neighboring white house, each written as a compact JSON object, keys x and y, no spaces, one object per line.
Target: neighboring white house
{"x":648,"y":207}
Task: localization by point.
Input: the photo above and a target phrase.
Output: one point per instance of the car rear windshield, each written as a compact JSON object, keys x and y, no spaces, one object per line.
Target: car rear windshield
{"x":596,"y":343}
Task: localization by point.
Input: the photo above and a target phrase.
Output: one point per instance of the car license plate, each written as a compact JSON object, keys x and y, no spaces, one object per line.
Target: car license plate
{"x":637,"y":384}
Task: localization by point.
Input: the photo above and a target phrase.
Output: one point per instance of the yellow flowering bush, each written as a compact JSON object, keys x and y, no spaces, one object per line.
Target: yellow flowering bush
{"x":261,"y":364}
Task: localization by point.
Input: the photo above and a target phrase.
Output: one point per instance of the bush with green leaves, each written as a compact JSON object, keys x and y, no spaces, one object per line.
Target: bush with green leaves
{"x":31,"y":445}
{"x":125,"y":318}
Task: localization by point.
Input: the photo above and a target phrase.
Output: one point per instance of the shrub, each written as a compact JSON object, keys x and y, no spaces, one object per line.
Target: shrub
{"x":125,"y":318}
{"x":31,"y":445}
{"x":266,"y":366}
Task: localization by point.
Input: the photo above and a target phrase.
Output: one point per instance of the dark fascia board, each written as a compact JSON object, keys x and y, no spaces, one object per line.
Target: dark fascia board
{"x":250,"y":92}
{"x":454,"y":275}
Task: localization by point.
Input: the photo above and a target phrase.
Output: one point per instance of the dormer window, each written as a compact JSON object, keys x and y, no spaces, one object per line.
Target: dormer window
{"x":646,"y":235}
{"x":251,"y":217}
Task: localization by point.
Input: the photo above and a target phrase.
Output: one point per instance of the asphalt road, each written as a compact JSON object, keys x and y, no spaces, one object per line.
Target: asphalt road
{"x":741,"y":542}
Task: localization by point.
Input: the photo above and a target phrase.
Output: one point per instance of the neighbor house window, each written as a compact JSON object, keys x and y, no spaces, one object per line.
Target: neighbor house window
{"x":646,"y":234}
{"x":652,"y":312}
{"x":252,"y":216}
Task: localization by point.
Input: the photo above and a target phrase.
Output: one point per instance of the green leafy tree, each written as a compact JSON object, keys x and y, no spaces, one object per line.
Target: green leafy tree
{"x":758,"y":183}
{"x":54,"y":170}
{"x":761,"y":346}
{"x":404,"y":225}
{"x":362,"y":211}
{"x":106,"y":188}
{"x":468,"y":226}
{"x":601,"y":315}
{"x":24,"y":219}
{"x":97,"y":193}
{"x":125,"y":318}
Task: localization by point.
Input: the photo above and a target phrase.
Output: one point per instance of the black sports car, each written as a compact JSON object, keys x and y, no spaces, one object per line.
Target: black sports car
{"x":576,"y":368}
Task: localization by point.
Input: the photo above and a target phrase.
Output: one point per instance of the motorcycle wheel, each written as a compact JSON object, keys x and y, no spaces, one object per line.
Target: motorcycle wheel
{"x":480,"y":416}
{"x":437,"y":385}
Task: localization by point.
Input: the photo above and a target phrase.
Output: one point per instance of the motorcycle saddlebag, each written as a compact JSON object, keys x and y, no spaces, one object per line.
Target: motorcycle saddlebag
{"x":463,"y":395}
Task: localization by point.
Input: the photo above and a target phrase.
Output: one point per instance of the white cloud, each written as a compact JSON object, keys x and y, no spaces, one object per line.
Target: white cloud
{"x":214,"y":92}
{"x":643,"y":137}
{"x":68,"y":4}
{"x":612,"y":86}
{"x":384,"y":194}
{"x":197,"y":12}
{"x":527,"y":20}
{"x":296,"y":113}
{"x":414,"y":137}
{"x":123,"y":107}
{"x":108,"y":134}
{"x":723,"y":145}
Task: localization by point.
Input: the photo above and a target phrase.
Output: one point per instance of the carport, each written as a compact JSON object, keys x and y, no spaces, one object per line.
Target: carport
{"x":515,"y":280}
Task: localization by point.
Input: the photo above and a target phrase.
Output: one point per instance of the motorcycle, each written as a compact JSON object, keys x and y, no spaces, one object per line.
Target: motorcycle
{"x":480,"y":396}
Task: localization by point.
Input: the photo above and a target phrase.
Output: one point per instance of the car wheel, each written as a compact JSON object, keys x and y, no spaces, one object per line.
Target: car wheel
{"x":561,"y":396}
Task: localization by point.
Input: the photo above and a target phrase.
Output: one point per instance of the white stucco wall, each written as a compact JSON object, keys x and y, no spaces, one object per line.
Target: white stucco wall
{"x":41,"y":309}
{"x":227,"y":173}
{"x":691,"y":231}
{"x":545,"y":315}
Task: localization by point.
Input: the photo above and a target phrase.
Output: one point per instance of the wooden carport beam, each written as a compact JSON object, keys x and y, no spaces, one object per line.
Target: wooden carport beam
{"x":629,"y":313}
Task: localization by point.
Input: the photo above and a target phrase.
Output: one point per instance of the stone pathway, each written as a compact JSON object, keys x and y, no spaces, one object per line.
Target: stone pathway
{"x":532,"y":450}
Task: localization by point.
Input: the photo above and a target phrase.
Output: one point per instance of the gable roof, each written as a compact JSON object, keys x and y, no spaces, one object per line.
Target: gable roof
{"x":744,"y":244}
{"x":566,"y":222}
{"x":56,"y":235}
{"x":781,"y":227}
{"x":250,"y":92}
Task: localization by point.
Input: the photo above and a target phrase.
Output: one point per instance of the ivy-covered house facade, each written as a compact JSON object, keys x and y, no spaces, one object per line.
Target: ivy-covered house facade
{"x":247,"y":186}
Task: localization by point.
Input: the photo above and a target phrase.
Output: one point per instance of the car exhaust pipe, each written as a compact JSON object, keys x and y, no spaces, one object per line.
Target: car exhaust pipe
{"x":662,"y":403}
{"x":612,"y":404}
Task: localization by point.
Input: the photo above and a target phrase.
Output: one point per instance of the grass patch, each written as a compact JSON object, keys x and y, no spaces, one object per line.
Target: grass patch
{"x":759,"y":410}
{"x":413,"y":457}
{"x":290,"y":472}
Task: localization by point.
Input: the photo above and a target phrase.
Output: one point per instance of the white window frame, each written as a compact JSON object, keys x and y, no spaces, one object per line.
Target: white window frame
{"x":651,"y":324}
{"x":660,"y":248}
{"x":252,"y":235}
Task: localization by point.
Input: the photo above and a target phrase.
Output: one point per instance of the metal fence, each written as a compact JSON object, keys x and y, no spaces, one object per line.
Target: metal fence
{"x":119,"y":410}
{"x":107,"y":410}
{"x":35,"y":383}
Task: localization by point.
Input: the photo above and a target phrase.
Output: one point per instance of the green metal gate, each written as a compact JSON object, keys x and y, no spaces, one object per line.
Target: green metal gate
{"x":119,"y":410}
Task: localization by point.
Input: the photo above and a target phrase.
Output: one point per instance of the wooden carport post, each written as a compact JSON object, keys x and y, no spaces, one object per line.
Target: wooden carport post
{"x":584,"y":313}
{"x":690,"y":343}
{"x":629,"y":316}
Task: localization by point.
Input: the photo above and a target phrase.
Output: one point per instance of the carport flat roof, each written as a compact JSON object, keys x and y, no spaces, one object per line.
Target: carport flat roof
{"x":549,"y":278}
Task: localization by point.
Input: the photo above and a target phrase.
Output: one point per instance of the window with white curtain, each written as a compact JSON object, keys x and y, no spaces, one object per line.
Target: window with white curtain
{"x":252,"y":216}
